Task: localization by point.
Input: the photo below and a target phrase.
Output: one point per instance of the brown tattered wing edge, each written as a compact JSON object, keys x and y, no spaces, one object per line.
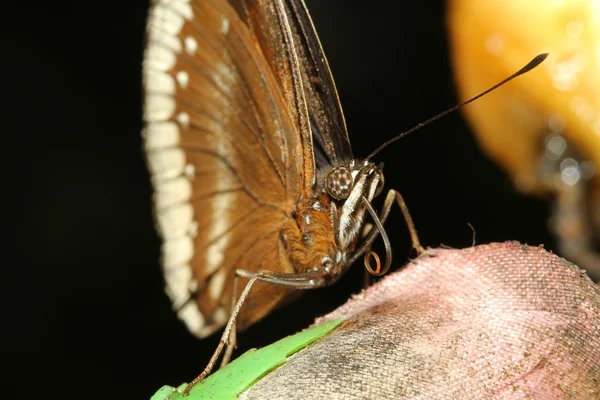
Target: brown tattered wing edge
{"x":210,"y":99}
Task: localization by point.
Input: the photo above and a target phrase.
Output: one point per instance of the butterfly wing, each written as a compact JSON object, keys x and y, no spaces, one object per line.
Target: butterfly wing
{"x":283,"y":27}
{"x":225,"y":158}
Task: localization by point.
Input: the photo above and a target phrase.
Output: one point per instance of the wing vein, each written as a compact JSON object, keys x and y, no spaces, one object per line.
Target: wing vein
{"x":229,"y":61}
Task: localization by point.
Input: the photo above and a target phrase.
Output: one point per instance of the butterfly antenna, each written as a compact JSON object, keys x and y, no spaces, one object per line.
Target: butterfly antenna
{"x":531,"y":65}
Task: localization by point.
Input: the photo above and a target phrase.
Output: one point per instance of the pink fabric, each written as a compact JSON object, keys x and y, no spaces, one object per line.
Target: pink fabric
{"x":498,"y":321}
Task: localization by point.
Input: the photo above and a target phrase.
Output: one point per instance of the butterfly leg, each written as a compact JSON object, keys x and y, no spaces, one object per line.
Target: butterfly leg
{"x":308,"y":280}
{"x":233,"y":336}
{"x":225,"y":337}
{"x":394,"y":195}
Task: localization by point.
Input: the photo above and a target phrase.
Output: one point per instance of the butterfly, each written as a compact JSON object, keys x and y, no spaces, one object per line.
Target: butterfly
{"x":249,"y":155}
{"x":251,"y":163}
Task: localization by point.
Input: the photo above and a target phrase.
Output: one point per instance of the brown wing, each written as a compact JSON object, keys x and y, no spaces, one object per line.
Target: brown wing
{"x":225,"y":158}
{"x":283,"y":26}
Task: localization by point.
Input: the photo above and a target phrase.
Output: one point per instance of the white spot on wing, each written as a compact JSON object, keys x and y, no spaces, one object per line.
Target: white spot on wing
{"x":193,"y":230}
{"x":166,"y":164}
{"x":166,"y":19}
{"x":177,"y":284}
{"x":191,"y":315}
{"x":172,"y":192}
{"x":183,"y":119}
{"x":177,"y":252}
{"x":160,"y":135}
{"x":221,"y":316}
{"x":224,"y":26}
{"x":175,"y":222}
{"x":158,"y":107}
{"x":190,"y":45}
{"x":183,"y":8}
{"x":159,"y":58}
{"x":182,"y":79}
{"x":158,"y":37}
{"x":159,"y":82}
{"x":189,"y":171}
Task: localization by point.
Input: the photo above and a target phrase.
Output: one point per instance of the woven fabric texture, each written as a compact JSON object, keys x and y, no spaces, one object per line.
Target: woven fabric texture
{"x":497,"y":321}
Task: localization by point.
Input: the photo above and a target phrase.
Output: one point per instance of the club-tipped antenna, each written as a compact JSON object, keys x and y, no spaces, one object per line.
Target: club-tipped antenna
{"x":531,"y":65}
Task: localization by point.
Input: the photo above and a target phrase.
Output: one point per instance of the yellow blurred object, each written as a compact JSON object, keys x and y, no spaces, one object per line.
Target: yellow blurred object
{"x":543,"y":130}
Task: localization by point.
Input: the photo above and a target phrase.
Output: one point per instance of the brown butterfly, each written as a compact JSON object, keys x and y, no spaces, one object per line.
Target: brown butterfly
{"x":252,"y":166}
{"x":249,"y":154}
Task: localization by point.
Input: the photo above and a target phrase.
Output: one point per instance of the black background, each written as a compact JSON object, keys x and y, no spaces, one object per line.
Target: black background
{"x":84,"y":307}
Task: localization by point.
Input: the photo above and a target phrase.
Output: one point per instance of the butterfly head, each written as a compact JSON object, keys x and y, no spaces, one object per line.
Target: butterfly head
{"x":348,"y":185}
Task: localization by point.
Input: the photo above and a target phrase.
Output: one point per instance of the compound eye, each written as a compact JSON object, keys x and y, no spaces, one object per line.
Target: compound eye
{"x":339,"y":183}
